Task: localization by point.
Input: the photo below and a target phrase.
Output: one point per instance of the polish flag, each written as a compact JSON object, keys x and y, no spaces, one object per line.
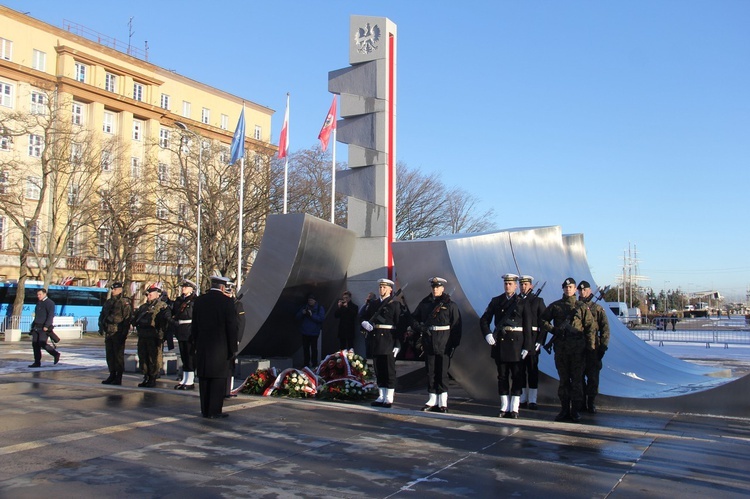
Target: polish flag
{"x":328,"y":126}
{"x":284,"y":138}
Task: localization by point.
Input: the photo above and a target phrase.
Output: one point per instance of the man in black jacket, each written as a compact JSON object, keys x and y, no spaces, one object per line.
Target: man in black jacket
{"x":43,"y":316}
{"x":182,"y":318}
{"x":214,"y":334}
{"x":535,"y":306}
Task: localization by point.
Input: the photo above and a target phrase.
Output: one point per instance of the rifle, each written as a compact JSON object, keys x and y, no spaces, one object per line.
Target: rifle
{"x":601,"y":292}
{"x":539,"y":290}
{"x":382,"y":305}
{"x":566,"y":327}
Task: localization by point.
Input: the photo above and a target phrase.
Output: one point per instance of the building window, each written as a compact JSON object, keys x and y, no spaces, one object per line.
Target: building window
{"x":164,"y":101}
{"x":164,"y":138}
{"x":6,"y":49}
{"x":2,"y":233}
{"x":224,"y":154}
{"x":135,"y":204}
{"x":258,"y":132}
{"x":33,"y":188}
{"x":80,"y":72}
{"x":33,"y":235}
{"x":160,"y":249}
{"x":6,"y":94}
{"x":182,"y":213}
{"x":103,"y":243}
{"x":73,"y":194}
{"x":185,"y":109}
{"x":104,"y":200}
{"x":163,"y":173}
{"x":5,"y":143}
{"x":76,"y":154}
{"x":78,"y":113}
{"x":135,"y":167}
{"x":39,"y":60}
{"x":224,"y":123}
{"x":106,"y":161}
{"x":4,"y":182}
{"x":137,"y":91}
{"x":38,"y":103}
{"x":73,"y":241}
{"x":161,"y":210}
{"x":183,"y":177}
{"x":205,"y":116}
{"x":137,"y":130}
{"x":36,"y":143}
{"x":108,"y":126}
{"x":110,"y":82}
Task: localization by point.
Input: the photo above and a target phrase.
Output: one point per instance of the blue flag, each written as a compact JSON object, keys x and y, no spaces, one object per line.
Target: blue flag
{"x":238,"y":141}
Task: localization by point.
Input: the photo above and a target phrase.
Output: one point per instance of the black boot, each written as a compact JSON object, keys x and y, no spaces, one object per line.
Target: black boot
{"x":590,"y":406}
{"x":109,"y":380}
{"x":575,"y":407}
{"x":564,"y":412}
{"x":145,"y":382}
{"x":118,"y":379}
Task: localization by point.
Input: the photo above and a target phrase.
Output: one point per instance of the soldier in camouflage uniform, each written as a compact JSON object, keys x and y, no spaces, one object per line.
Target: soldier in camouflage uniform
{"x":114,"y":324}
{"x":572,"y":325}
{"x":595,"y":352}
{"x":151,"y":320}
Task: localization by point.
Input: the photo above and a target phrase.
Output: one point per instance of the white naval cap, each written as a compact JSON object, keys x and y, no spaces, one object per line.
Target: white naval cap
{"x":387,"y":282}
{"x":510,"y":277}
{"x":437,"y":281}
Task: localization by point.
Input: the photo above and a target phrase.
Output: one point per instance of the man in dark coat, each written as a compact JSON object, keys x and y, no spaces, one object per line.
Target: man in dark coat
{"x":438,"y":321}
{"x":214,"y":334}
{"x":510,"y":342}
{"x":44,"y":313}
{"x":114,"y":324}
{"x":535,"y":306}
{"x":347,"y":313}
{"x":182,"y":318}
{"x":382,"y":315}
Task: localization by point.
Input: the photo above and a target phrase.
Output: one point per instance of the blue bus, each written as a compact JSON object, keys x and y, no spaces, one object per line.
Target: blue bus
{"x":79,"y":302}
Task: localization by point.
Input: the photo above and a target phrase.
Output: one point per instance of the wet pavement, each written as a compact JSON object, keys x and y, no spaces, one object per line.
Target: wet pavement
{"x":66,"y":435}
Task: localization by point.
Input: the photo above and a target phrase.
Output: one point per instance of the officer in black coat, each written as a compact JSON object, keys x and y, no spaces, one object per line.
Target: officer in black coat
{"x":510,"y":341}
{"x":214,"y":334}
{"x":535,"y":305}
{"x":44,"y":313}
{"x":438,"y":321}
{"x":182,"y":319}
{"x":381,"y":318}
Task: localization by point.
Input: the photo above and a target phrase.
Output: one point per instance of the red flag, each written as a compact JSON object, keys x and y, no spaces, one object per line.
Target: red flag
{"x":284,"y":138}
{"x":328,"y":126}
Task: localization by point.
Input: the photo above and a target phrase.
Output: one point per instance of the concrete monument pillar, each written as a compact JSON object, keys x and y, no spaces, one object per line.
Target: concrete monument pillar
{"x":368,"y":125}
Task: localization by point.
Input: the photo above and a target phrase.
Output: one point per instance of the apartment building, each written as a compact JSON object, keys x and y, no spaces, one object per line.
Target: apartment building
{"x":104,"y":111}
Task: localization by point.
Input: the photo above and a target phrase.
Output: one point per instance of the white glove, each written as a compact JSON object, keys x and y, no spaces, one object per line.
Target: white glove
{"x":537,"y":346}
{"x":524,"y":353}
{"x":366,"y":326}
{"x":396,"y":350}
{"x":489,"y":339}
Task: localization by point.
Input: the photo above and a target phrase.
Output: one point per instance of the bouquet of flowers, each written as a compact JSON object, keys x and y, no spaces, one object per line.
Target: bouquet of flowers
{"x":259,"y":381}
{"x":344,"y":374}
{"x":294,"y":383}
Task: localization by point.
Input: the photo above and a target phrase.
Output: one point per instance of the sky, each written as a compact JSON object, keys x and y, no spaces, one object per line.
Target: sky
{"x":626,"y":121}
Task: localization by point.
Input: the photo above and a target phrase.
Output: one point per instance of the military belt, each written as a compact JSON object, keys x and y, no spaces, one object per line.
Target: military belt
{"x":383,"y":326}
{"x":439,"y":328}
{"x":534,"y":328}
{"x":188,"y":321}
{"x":508,"y":329}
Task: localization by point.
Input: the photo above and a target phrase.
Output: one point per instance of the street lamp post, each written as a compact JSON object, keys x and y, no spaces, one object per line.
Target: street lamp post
{"x":184,"y":128}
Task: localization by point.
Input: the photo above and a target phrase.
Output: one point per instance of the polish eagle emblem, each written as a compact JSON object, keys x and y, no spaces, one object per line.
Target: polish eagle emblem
{"x":366,"y":38}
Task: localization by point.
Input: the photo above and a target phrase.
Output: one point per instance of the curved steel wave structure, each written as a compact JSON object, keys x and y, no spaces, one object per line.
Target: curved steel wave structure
{"x":299,"y":254}
{"x":635,"y":374}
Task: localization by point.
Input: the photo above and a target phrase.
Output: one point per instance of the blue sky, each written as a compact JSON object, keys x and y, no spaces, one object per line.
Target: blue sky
{"x":627,"y":121}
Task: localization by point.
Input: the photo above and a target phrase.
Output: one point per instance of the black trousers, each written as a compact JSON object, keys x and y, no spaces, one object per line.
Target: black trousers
{"x":437,"y":373}
{"x":385,"y":370}
{"x":212,"y":391}
{"x":530,"y":367}
{"x":38,"y":345}
{"x":310,"y":350}
{"x":188,"y":362}
{"x":149,"y":347}
{"x":509,"y":378}
{"x":591,"y":373}
{"x":114,"y":347}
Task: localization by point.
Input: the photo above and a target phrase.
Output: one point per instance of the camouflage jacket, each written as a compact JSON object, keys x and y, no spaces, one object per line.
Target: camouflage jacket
{"x":574,"y":325}
{"x":601,"y":336}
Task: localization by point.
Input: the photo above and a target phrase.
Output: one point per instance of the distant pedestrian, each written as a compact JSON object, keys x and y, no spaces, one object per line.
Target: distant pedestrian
{"x":347,"y":313}
{"x":311,"y":317}
{"x":44,"y":314}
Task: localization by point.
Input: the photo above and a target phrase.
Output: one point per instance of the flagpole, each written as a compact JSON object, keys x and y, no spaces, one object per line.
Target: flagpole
{"x":285,"y":131}
{"x":242,"y":208}
{"x":286,"y":170}
{"x":333,"y":178}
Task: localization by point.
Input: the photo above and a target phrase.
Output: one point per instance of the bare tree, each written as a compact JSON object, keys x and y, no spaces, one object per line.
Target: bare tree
{"x":49,"y":188}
